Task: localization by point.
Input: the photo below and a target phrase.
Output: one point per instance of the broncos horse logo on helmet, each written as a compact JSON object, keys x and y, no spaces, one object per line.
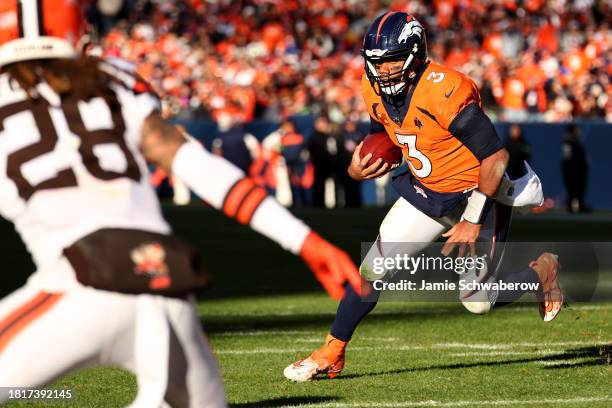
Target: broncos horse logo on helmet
{"x":394,"y":36}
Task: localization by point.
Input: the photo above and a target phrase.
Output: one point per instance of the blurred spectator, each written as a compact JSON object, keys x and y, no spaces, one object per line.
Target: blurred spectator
{"x":513,"y":100}
{"x":518,"y":149}
{"x":322,"y":148}
{"x":339,"y":161}
{"x":575,"y":169}
{"x":294,"y":172}
{"x":536,"y":59}
{"x":351,"y":137}
{"x":234,"y":143}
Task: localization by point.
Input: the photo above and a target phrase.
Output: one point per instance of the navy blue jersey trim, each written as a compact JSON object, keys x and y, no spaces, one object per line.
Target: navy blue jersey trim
{"x":376,"y":126}
{"x":426,"y":112}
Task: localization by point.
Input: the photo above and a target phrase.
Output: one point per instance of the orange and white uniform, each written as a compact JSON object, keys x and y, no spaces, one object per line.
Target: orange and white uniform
{"x":444,"y":135}
{"x":439,"y":160}
{"x":442,"y":162}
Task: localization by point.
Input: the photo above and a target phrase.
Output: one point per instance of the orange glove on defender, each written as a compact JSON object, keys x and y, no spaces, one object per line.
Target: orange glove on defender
{"x":331,"y":266}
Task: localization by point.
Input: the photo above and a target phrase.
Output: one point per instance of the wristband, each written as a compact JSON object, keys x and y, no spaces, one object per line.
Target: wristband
{"x":477,"y":207}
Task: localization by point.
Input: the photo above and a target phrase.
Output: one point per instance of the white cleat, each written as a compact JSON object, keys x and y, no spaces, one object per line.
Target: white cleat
{"x":303,"y":370}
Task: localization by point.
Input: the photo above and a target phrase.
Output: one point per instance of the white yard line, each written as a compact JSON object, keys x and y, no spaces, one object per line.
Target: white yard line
{"x":263,"y":351}
{"x":407,"y":404}
{"x":302,"y":349}
{"x":302,"y":312}
{"x":562,"y":362}
{"x":248,"y":333}
{"x":506,"y":346}
{"x":505,"y":353}
{"x":368,"y":339}
{"x":495,"y":348}
{"x":592,"y":307}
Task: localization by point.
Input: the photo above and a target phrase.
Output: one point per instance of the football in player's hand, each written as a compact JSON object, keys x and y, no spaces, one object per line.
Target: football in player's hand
{"x":381,"y":146}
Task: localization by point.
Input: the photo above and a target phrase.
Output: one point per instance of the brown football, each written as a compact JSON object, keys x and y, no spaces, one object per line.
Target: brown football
{"x":381,"y":146}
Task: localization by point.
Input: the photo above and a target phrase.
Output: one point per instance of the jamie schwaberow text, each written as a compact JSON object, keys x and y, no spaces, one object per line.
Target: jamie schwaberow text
{"x":464,"y":285}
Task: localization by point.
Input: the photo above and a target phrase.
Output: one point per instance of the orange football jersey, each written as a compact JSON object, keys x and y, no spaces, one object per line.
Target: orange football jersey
{"x":436,"y":158}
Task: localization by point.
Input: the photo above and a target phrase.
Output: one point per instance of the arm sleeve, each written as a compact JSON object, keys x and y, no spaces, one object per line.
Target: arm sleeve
{"x":475,"y":130}
{"x":225,"y":187}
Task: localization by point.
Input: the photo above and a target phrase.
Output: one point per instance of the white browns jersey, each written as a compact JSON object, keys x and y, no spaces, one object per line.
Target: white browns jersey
{"x":68,"y":168}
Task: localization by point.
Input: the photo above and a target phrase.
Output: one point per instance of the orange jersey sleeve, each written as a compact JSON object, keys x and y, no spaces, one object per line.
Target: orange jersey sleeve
{"x":447,"y":92}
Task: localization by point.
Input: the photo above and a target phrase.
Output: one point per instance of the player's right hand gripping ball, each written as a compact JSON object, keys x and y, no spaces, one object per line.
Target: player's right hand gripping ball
{"x":381,"y":146}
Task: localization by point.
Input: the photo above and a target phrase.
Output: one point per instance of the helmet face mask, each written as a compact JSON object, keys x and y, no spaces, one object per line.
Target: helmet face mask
{"x":394,"y":80}
{"x":398,"y":40}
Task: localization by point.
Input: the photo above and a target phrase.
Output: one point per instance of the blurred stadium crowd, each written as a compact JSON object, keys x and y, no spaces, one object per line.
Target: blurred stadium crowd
{"x":271,"y":59}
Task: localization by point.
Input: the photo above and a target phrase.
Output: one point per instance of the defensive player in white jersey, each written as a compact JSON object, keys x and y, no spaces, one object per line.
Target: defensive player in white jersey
{"x":112,"y":285}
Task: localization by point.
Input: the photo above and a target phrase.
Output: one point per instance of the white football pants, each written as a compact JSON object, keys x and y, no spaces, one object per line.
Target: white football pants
{"x":44,"y":335}
{"x":407,"y":230}
{"x":404,"y":224}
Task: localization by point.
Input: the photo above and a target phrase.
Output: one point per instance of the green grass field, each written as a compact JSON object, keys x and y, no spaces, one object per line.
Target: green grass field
{"x":266,"y":311}
{"x":404,"y":355}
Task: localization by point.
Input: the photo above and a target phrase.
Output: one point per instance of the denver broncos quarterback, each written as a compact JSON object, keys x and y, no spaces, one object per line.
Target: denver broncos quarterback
{"x":112,"y":284}
{"x":455,"y":186}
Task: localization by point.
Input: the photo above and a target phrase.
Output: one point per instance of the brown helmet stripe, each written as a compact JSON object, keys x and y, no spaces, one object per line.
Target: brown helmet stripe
{"x":20,"y":17}
{"x":30,"y":18}
{"x":41,"y":19}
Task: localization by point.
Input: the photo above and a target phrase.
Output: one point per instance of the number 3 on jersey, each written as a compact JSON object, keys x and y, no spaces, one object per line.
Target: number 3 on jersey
{"x":414,"y":153}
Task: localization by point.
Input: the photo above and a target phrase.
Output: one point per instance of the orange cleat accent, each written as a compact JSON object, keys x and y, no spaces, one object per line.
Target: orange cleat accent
{"x":550,"y":295}
{"x":328,"y":359}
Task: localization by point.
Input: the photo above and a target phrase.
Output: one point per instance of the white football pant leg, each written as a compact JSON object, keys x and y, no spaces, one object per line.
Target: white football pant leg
{"x":403,"y":224}
{"x":186,"y":375}
{"x":194,"y":376}
{"x":70,"y":334}
{"x":85,"y":327}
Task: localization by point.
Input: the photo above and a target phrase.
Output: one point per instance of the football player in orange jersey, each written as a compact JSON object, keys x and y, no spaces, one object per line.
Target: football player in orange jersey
{"x":456,"y":164}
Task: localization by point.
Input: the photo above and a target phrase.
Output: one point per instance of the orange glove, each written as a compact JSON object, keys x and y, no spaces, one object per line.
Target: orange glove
{"x":331,"y":266}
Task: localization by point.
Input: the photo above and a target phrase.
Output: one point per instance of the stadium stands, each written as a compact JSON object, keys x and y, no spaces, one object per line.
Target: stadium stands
{"x":534,"y":60}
